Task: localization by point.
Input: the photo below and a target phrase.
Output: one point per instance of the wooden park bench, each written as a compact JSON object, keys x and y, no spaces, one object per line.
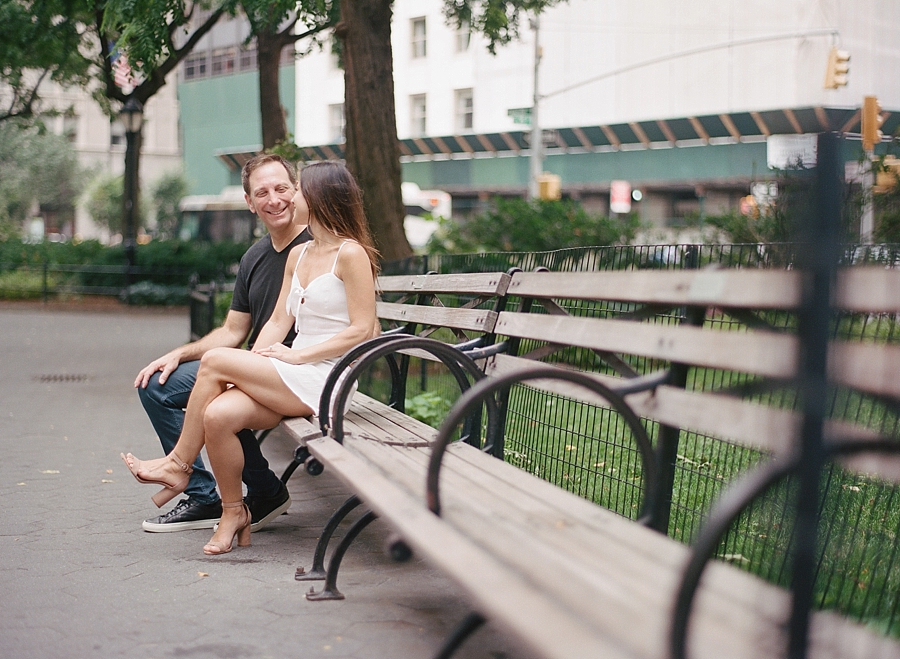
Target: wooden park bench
{"x":569,"y":578}
{"x":565,"y":576}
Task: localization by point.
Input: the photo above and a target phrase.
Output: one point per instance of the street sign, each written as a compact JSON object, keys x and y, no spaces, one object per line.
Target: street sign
{"x":520,"y":116}
{"x":550,"y":138}
{"x":620,"y":196}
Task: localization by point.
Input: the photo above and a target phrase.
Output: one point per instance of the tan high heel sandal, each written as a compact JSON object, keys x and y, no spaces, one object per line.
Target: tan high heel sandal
{"x":242,"y":533}
{"x":168,"y":492}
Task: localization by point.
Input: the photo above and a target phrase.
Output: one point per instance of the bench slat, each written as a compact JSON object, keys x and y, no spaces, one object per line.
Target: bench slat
{"x":866,"y":366}
{"x":728,"y":418}
{"x":762,"y":289}
{"x":865,"y":289}
{"x":868,"y":289}
{"x":760,"y":353}
{"x":476,"y":283}
{"x":479,"y":320}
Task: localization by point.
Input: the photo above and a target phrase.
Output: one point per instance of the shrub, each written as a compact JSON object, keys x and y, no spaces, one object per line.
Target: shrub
{"x":23,"y":285}
{"x":523,"y":226}
{"x":148,"y":293}
{"x":428,"y":407}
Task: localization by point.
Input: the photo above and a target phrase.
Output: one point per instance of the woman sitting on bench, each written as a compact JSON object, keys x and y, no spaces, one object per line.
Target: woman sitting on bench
{"x":328,"y":292}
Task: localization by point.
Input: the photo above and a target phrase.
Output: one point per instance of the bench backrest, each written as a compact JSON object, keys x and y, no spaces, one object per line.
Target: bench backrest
{"x":728,"y":335}
{"x":728,"y":340}
{"x":418,"y":302}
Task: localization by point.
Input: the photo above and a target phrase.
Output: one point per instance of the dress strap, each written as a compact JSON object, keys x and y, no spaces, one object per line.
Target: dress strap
{"x":302,"y":252}
{"x":334,"y":265}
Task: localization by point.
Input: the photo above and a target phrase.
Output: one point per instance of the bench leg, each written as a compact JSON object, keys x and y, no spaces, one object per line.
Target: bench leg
{"x":262,"y":434}
{"x":330,"y":591}
{"x":317,"y":572}
{"x":302,"y":456}
{"x":469,"y":625}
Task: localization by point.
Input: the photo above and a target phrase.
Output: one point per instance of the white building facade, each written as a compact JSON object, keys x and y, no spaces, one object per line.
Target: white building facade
{"x":681,"y":98}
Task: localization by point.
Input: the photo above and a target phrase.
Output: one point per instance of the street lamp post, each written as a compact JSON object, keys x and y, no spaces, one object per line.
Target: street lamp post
{"x":132,"y":117}
{"x":537,"y":156}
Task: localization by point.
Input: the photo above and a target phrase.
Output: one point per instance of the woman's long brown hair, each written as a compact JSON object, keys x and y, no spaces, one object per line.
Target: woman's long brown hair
{"x":335,"y":200}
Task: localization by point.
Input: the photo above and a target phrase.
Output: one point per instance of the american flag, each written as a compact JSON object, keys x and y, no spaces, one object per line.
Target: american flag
{"x":122,"y":72}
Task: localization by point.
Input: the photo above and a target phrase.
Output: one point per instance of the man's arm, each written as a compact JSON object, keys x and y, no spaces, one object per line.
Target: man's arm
{"x":231,"y":334}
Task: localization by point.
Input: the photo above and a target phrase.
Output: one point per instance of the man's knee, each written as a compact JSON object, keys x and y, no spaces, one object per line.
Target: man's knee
{"x":154,"y":394}
{"x":174,"y":393}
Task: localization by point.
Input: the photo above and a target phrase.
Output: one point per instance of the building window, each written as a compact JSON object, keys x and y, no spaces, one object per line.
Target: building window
{"x":418,"y":38}
{"x":222,"y":61}
{"x":336,"y":123}
{"x":417,"y":114}
{"x":463,"y":110}
{"x":116,"y":133}
{"x":247,"y":58}
{"x":463,"y":37}
{"x":195,"y":66}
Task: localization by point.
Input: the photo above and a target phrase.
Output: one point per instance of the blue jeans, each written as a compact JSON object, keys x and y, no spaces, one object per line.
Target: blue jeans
{"x":165,"y":405}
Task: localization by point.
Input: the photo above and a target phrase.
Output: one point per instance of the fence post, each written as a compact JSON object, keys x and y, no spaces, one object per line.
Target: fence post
{"x":211,"y":307}
{"x":670,"y":436}
{"x":817,"y":256}
{"x":45,"y":285}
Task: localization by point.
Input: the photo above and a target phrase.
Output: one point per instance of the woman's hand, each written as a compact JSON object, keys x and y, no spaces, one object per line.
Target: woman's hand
{"x":281,"y":352}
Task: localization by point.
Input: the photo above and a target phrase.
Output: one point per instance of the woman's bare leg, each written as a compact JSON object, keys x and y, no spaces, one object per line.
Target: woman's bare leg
{"x":251,"y":373}
{"x":225,"y":416}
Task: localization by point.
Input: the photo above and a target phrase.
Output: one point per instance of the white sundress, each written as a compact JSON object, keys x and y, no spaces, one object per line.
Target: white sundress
{"x":320,"y":311}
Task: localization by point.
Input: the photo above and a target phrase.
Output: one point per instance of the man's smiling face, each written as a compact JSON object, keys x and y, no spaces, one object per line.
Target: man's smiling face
{"x":271,"y":196}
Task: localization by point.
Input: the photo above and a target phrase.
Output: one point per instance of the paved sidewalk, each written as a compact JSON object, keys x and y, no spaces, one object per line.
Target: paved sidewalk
{"x":78,"y":577}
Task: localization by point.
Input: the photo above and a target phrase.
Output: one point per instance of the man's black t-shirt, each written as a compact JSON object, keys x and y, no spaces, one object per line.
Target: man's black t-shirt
{"x":259,"y":280}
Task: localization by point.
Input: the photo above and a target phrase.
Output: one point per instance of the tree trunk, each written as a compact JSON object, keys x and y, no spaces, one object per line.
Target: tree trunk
{"x":372,"y":151}
{"x":268,"y":54}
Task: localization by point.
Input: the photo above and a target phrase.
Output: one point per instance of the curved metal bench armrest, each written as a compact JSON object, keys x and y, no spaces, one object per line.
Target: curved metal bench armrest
{"x":730,"y":505}
{"x":343,"y":364}
{"x":643,"y":382}
{"x":488,"y":351}
{"x":482,"y":392}
{"x":360,"y":358}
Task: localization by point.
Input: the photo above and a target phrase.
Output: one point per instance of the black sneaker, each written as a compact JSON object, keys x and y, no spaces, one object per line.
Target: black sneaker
{"x":264,"y":509}
{"x":187,"y":515}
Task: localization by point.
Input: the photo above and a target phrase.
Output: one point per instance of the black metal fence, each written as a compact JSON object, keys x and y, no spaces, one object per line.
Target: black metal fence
{"x":138,"y":285}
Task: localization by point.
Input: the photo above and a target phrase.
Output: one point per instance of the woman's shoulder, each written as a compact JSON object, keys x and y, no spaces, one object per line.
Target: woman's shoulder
{"x":295,"y":252}
{"x":352,"y":249}
{"x":352,"y":256}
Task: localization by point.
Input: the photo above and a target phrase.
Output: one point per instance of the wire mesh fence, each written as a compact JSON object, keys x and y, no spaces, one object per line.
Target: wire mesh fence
{"x":586,"y":450}
{"x":135,"y":284}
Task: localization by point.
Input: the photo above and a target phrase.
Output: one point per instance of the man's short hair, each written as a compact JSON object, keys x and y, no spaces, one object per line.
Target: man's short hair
{"x":264,"y":158}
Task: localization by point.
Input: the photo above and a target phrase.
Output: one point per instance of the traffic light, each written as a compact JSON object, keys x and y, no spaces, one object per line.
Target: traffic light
{"x":838,"y":68}
{"x":871,"y":123}
{"x":549,"y":186}
{"x":887,"y":175}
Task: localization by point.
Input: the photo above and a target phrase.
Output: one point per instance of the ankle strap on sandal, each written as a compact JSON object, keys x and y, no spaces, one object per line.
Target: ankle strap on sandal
{"x":184,"y":466}
{"x":232,"y":504}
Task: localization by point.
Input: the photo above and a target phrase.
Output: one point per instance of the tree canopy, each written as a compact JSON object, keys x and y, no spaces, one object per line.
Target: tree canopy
{"x":39,"y":40}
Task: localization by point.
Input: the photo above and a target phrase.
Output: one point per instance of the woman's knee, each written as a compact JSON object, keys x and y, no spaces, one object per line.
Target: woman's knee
{"x":221,"y":418}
